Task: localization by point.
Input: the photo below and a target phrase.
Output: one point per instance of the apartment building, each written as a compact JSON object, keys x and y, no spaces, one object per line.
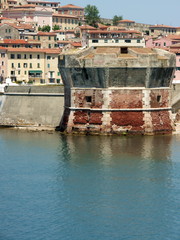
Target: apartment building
{"x":74,"y":10}
{"x":18,"y":43}
{"x":126,"y":38}
{"x":35,"y":66}
{"x":65,"y":21}
{"x":33,"y":14}
{"x":3,"y":64}
{"x":47,"y":39}
{"x":15,"y":30}
{"x":162,"y":30}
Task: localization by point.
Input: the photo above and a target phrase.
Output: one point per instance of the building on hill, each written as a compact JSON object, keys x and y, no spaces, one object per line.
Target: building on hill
{"x":132,"y":25}
{"x":54,"y":5}
{"x":35,"y":66}
{"x":161,"y":30}
{"x":124,"y":38}
{"x":14,"y":30}
{"x":65,"y":21}
{"x":64,"y":34}
{"x":47,"y":39}
{"x":32,"y":14}
{"x":19,"y":43}
{"x":3,"y":64}
{"x":71,"y":9}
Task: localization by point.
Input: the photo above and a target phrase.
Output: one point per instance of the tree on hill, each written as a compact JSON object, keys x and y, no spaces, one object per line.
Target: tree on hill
{"x":45,"y":28}
{"x":56,"y":27}
{"x":92,"y":15}
{"x":116,"y":19}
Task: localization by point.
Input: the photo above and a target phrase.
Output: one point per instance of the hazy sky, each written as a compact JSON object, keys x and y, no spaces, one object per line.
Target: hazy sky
{"x":141,"y":11}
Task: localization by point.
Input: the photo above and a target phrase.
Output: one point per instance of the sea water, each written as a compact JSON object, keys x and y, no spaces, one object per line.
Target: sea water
{"x":56,"y":187}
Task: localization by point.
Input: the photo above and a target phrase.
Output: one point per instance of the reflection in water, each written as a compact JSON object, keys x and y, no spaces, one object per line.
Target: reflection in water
{"x":89,"y":187}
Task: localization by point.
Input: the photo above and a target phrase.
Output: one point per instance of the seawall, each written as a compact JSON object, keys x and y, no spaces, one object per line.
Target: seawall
{"x":32,"y":106}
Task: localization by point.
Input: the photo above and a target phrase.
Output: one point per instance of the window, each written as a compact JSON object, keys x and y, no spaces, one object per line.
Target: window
{"x":49,"y":38}
{"x":25,"y":56}
{"x":2,"y":63}
{"x":25,"y":72}
{"x":19,"y":72}
{"x":25,"y":65}
{"x":30,"y":65}
{"x":95,"y":41}
{"x":127,"y":41}
{"x":48,"y":65}
{"x":88,"y":98}
{"x":38,"y":56}
{"x":30,"y":56}
{"x":2,"y":55}
{"x":105,"y":41}
{"x":12,"y":56}
{"x":34,"y":37}
{"x":38,"y":37}
{"x":138,"y":41}
{"x":38,"y":65}
{"x":18,"y":56}
{"x":164,"y":44}
{"x":49,"y":45}
{"x":124,"y":50}
{"x":19,"y":65}
{"x":116,"y":41}
{"x":159,"y":98}
{"x":48,"y":57}
{"x":12,"y":65}
{"x":9,"y":30}
{"x":58,"y":73}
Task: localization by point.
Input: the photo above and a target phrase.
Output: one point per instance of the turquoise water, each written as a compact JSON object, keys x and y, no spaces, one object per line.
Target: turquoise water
{"x":55,"y":187}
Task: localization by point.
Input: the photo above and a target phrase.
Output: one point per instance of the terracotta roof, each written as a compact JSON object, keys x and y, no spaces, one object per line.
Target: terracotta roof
{"x":76,"y":44}
{"x":38,"y":50}
{"x":14,"y":41}
{"x":62,"y":41}
{"x":18,"y":26}
{"x":102,"y":26}
{"x":71,"y":6}
{"x":161,"y":26}
{"x":64,"y":15}
{"x":46,"y":34}
{"x":3,"y":48}
{"x":174,"y":37}
{"x":25,"y":6}
{"x":111,"y":31}
{"x":126,"y":21}
{"x":4,"y":18}
{"x":49,"y":2}
{"x":175,"y":45}
{"x":87,"y":27}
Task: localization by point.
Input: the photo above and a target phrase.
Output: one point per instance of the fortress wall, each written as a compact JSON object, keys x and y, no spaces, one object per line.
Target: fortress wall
{"x":32,"y":106}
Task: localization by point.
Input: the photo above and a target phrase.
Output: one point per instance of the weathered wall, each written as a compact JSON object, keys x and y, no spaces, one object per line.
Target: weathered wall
{"x":109,"y":91}
{"x":32,"y":106}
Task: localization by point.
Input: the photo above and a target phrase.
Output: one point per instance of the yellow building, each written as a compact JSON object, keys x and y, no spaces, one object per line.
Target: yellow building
{"x":65,"y":21}
{"x":34,"y":66}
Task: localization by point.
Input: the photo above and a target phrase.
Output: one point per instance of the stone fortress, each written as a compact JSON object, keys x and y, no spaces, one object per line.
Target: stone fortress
{"x":117,"y":90}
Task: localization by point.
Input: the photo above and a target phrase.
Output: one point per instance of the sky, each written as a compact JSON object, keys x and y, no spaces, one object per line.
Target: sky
{"x":140,"y":11}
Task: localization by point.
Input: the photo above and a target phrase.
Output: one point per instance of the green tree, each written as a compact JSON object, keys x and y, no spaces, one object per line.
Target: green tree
{"x":116,"y":19}
{"x":46,"y":28}
{"x":92,"y":15}
{"x":56,"y":27}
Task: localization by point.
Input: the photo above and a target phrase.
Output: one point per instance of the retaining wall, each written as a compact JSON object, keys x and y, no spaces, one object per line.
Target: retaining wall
{"x":32,"y":106}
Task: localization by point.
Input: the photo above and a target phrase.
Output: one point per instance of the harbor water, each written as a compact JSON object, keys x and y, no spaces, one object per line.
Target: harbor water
{"x":57,"y":187}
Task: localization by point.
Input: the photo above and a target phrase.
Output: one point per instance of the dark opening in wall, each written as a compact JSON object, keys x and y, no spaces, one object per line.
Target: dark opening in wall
{"x":124,"y":50}
{"x":159,"y":98}
{"x":88,"y":98}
